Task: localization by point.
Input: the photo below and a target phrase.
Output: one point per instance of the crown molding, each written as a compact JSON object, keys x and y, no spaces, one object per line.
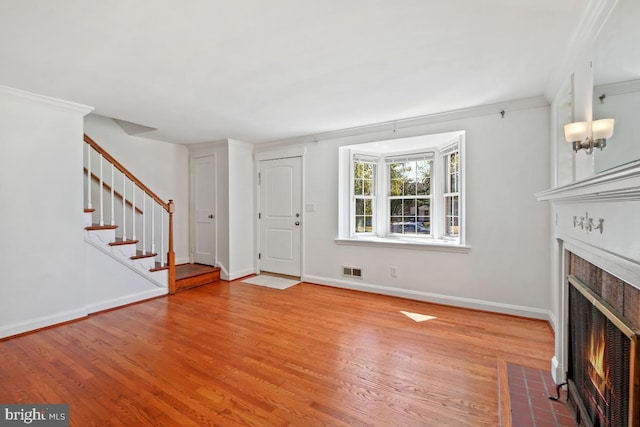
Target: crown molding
{"x":393,"y":125}
{"x":41,"y":99}
{"x":616,"y":88}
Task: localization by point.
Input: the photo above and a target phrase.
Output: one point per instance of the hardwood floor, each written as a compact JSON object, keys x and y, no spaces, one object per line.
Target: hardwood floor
{"x":235,"y":354}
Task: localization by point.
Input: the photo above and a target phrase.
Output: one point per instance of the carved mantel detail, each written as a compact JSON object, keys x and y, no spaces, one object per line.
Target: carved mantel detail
{"x":586,"y":223}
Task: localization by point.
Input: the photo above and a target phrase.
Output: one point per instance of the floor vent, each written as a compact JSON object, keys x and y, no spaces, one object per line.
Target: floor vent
{"x":352,"y":272}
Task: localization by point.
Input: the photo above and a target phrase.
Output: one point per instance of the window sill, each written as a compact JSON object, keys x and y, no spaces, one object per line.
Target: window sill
{"x":404,"y":243}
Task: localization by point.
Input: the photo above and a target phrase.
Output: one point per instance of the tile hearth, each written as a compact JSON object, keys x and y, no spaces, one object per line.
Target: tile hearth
{"x":529,"y":391}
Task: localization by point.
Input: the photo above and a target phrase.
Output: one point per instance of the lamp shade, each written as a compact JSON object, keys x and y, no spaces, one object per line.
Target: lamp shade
{"x":577,"y":131}
{"x":602,"y":129}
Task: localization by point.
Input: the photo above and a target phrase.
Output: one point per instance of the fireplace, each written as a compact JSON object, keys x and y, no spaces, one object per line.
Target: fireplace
{"x":602,"y":360}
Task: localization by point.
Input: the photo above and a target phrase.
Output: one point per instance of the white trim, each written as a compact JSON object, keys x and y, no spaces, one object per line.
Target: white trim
{"x":128,"y":299}
{"x":143,"y":272}
{"x":224,"y":274}
{"x":617,"y":184}
{"x":298,"y":151}
{"x":630,"y":86}
{"x":422,"y":244}
{"x":557,"y":371}
{"x":41,"y":322}
{"x":514,"y":310}
{"x":242,"y":273}
{"x":59,"y":103}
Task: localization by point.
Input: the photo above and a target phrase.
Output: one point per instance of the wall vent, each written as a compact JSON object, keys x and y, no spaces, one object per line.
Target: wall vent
{"x":352,"y":272}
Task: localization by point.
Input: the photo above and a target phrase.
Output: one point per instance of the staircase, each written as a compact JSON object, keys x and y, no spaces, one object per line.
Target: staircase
{"x":127,"y":221}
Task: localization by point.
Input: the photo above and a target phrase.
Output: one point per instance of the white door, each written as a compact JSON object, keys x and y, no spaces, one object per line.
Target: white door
{"x":280,"y":215}
{"x":204,"y":206}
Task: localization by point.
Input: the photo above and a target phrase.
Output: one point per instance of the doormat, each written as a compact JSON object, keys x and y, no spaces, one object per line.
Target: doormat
{"x":271,"y":282}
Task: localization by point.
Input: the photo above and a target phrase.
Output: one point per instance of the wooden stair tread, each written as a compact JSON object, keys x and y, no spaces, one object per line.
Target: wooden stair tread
{"x":160,"y":267}
{"x":100,"y":227}
{"x":119,"y":242}
{"x":192,"y":275}
{"x":87,"y":210}
{"x":140,"y":255}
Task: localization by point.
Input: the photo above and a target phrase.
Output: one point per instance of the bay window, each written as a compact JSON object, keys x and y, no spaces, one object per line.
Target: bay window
{"x":406,"y":190}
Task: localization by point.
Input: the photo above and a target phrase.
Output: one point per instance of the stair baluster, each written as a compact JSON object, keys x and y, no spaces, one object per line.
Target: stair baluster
{"x":89,"y":204}
{"x":144,"y":223}
{"x":113,"y":204}
{"x":124,"y":206}
{"x":101,"y":194}
{"x":162,"y":239}
{"x":133,"y":211}
{"x":153,"y":227}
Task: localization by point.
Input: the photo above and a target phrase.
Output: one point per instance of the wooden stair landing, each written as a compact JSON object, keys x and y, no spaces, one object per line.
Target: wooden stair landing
{"x":192,"y":275}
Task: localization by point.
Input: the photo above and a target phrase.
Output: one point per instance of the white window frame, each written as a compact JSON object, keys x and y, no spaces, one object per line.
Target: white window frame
{"x":381,"y":234}
{"x":374,"y":160}
{"x":409,"y":157}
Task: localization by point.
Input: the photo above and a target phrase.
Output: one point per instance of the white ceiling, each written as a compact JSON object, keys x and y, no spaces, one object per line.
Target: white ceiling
{"x":257,"y":70}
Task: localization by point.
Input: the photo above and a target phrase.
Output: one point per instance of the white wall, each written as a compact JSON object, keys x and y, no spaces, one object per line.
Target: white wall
{"x":161,"y":166}
{"x":506,"y":269}
{"x":574,"y":76}
{"x":235,"y":192}
{"x":42,"y":249}
{"x":242,"y":219}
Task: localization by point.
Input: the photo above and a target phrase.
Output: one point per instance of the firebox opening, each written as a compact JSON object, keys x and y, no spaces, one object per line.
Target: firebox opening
{"x":602,"y":370}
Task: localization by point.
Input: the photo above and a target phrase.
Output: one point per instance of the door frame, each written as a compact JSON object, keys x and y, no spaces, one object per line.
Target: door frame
{"x":192,"y":208}
{"x":277,"y":155}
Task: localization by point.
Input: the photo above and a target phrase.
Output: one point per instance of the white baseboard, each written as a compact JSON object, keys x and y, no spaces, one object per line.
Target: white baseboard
{"x":242,"y":273}
{"x":41,"y":322}
{"x":553,"y":321}
{"x":515,"y":310}
{"x":183,"y":260}
{"x":128,"y":299}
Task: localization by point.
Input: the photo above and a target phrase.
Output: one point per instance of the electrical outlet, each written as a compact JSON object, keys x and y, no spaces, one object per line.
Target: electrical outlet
{"x":393,"y":271}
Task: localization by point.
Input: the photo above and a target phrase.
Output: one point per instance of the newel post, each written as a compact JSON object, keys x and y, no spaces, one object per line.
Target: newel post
{"x":171,"y":256}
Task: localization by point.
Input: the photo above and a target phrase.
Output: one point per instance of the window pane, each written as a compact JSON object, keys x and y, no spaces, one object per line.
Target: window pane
{"x":453,"y":173}
{"x":359,"y":206}
{"x":409,"y":188}
{"x":452,"y":219}
{"x":424,"y":214}
{"x":368,"y":207}
{"x":358,"y":187}
{"x":423,"y":168}
{"x":395,"y":207}
{"x":395,"y":179}
{"x":367,"y":171}
{"x":367,"y":187}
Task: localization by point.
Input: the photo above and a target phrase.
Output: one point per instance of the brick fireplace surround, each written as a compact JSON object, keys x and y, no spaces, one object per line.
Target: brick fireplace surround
{"x":622,"y":296}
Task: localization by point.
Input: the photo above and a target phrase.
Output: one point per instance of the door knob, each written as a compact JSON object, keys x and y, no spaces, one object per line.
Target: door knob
{"x":297,"y":223}
{"x":211,"y":216}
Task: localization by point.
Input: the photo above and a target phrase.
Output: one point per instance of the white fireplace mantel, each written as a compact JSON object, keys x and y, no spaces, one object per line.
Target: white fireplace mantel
{"x":621,"y":183}
{"x":598,"y":219}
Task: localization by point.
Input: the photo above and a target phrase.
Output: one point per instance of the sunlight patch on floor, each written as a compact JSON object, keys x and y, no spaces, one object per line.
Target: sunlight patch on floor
{"x":417,"y":316}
